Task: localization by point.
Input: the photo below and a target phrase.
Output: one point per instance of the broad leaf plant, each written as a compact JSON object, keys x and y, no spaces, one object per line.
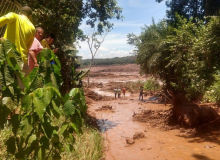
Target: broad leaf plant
{"x":41,"y":118}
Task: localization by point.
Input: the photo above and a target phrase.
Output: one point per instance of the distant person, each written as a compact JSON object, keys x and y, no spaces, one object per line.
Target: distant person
{"x":123,"y":90}
{"x":20,"y":31}
{"x":141,"y":93}
{"x":116,"y":91}
{"x":119,"y":92}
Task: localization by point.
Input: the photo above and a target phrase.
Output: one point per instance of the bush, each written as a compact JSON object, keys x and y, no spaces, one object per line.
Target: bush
{"x":151,"y":84}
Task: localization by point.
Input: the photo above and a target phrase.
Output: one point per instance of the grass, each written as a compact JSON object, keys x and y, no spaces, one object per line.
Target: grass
{"x":88,"y":145}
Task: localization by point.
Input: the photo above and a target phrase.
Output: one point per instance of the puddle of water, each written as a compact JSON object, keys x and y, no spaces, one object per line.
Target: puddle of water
{"x":105,"y":125}
{"x":111,"y":94}
{"x":154,"y":98}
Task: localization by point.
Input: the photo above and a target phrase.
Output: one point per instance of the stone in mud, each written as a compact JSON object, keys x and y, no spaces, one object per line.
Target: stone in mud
{"x":138,"y":135}
{"x":130,"y":141}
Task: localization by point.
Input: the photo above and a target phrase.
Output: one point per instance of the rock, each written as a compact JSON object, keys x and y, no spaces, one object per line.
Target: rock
{"x":130,"y":141}
{"x":138,"y":135}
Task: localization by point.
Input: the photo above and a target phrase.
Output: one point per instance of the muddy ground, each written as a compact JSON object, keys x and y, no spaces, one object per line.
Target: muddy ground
{"x":138,"y":130}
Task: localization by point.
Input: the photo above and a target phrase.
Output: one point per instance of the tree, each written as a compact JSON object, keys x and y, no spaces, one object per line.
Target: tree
{"x":191,"y":8}
{"x":185,"y":57}
{"x":64,"y":17}
{"x":94,"y":42}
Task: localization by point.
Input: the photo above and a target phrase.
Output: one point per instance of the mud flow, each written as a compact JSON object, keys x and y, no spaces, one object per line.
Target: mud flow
{"x":138,"y":130}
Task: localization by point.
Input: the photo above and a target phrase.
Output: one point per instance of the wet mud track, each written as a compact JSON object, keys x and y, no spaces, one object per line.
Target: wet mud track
{"x":117,"y":126}
{"x":118,"y":129}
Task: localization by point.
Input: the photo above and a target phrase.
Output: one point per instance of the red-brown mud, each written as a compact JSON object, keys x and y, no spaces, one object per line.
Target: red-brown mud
{"x":128,"y":135}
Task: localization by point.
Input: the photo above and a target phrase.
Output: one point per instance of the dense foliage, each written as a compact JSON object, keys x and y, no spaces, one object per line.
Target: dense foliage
{"x":185,"y":57}
{"x":36,"y":135}
{"x":64,"y":17}
{"x":110,"y":61}
{"x":191,"y":9}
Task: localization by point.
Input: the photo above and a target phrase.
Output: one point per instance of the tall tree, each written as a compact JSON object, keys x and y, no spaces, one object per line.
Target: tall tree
{"x":191,"y":8}
{"x":63,"y":17}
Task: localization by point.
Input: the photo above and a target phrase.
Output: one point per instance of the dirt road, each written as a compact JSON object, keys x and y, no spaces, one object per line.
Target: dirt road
{"x":126,"y":139}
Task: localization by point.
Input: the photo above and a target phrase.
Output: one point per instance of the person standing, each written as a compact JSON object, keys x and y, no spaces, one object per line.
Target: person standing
{"x":115,"y":90}
{"x":48,"y":41}
{"x":20,"y":31}
{"x":119,"y":92}
{"x":141,"y":93}
{"x":123,"y":90}
{"x":35,"y":49}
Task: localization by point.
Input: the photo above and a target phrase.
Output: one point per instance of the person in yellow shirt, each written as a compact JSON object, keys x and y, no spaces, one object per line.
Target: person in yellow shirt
{"x":46,"y":44}
{"x":48,"y":41}
{"x":20,"y":31}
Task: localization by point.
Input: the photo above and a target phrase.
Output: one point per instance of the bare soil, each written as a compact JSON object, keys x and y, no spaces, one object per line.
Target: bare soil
{"x":139,"y":130}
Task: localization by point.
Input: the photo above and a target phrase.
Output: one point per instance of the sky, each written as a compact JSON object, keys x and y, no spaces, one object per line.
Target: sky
{"x":137,"y":14}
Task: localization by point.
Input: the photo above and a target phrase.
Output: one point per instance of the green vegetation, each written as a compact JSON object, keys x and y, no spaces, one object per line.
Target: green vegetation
{"x":110,"y":61}
{"x":185,"y":57}
{"x":152,"y":85}
{"x":87,"y":146}
{"x":64,"y":17}
{"x":213,"y":93}
{"x":35,"y":133}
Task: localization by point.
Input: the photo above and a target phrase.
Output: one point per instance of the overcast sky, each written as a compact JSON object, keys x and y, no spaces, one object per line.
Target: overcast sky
{"x":137,"y":13}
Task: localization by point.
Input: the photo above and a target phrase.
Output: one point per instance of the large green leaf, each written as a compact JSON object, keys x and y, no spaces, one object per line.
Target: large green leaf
{"x":55,"y":80}
{"x":32,"y":75}
{"x":77,"y":121}
{"x":48,"y":93}
{"x":57,"y":112}
{"x":7,"y":46}
{"x":26,"y":103}
{"x":26,"y":126}
{"x":9,"y":76}
{"x":48,"y":129}
{"x":22,"y":78}
{"x":31,"y":139}
{"x":63,"y":128}
{"x":45,"y":69}
{"x":7,"y":101}
{"x":39,"y":107}
{"x":37,"y":83}
{"x":2,"y":53}
{"x":2,"y":76}
{"x":69,"y":108}
{"x":44,"y":54}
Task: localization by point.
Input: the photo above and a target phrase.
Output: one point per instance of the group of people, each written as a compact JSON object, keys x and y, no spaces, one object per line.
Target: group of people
{"x":28,"y":40}
{"x":118,"y":92}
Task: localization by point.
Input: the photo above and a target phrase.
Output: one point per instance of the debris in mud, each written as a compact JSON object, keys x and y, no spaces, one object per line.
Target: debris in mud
{"x":130,"y":141}
{"x":95,"y":96}
{"x":154,"y":118}
{"x":105,"y":108}
{"x":139,"y":135}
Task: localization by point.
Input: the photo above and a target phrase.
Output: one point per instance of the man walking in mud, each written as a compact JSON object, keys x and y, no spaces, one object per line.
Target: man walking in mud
{"x":115,"y":90}
{"x":141,"y":93}
{"x":123,"y":90}
{"x":119,"y":92}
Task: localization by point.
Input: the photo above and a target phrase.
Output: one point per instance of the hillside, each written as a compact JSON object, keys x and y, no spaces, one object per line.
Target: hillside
{"x":110,"y":61}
